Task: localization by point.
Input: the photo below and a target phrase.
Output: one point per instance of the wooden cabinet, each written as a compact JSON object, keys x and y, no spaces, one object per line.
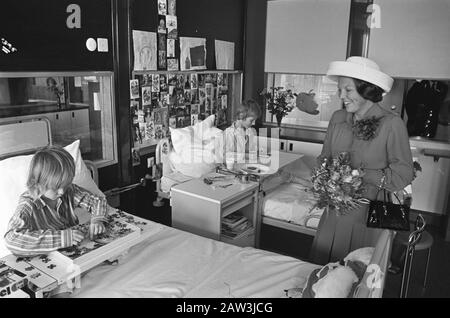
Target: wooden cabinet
{"x":199,"y":208}
{"x":411,"y":38}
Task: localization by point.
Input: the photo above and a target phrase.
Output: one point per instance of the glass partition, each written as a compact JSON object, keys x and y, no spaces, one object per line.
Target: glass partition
{"x":78,"y":106}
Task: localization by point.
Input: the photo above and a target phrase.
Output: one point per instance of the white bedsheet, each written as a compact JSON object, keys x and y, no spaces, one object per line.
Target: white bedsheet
{"x":292,"y":202}
{"x":172,"y":179}
{"x":173,"y":263}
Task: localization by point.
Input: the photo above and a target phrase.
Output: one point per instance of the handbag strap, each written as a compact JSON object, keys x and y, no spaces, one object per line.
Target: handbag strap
{"x":382,"y":186}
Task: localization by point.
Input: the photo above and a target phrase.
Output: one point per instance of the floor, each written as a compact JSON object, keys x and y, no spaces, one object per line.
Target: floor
{"x":140,"y":203}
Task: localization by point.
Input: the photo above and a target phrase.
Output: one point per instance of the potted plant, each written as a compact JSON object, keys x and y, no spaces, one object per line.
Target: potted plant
{"x":53,"y":87}
{"x":280,"y":101}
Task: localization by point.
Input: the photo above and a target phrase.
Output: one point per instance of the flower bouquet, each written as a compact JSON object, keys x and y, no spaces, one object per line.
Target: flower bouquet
{"x":280,"y":101}
{"x":337,"y":185}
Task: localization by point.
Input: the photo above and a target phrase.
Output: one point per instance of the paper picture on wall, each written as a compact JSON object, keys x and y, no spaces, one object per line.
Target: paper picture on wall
{"x":162,"y":7}
{"x":158,"y":116}
{"x":170,"y":48}
{"x":201,"y":80}
{"x":209,"y":89}
{"x":194,"y":96}
{"x":134,"y":88}
{"x":194,"y":81}
{"x":224,"y":102}
{"x":222,"y":79}
{"x":164,"y":114}
{"x":187,"y":81}
{"x":192,"y":53}
{"x":172,"y":7}
{"x":172,"y":26}
{"x":162,"y":42}
{"x":195,"y":109}
{"x":162,"y":24}
{"x":159,"y":132}
{"x":163,"y":87}
{"x":172,"y":80}
{"x":172,"y":64}
{"x":134,"y":105}
{"x":162,"y":60}
{"x":155,"y":83}
{"x":150,"y":129}
{"x":224,"y":55}
{"x":136,"y":160}
{"x":172,"y":122}
{"x":187,"y":96}
{"x":194,"y":119}
{"x":146,"y":95}
{"x":146,"y":80}
{"x":145,"y":52}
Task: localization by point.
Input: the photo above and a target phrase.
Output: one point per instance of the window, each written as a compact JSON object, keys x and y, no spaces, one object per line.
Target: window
{"x":325,"y":95}
{"x":78,"y":106}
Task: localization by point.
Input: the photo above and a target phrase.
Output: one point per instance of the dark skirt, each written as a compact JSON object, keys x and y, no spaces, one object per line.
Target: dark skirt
{"x":338,"y":235}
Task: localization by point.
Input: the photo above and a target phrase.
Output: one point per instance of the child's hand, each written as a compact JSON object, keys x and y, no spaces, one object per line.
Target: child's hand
{"x":95,"y":229}
{"x":77,"y":237}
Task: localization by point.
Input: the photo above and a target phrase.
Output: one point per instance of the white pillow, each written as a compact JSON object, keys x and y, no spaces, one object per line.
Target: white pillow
{"x":183,"y":137}
{"x":336,"y":284}
{"x":13,"y":177}
{"x":363,"y":255}
{"x":194,"y":148}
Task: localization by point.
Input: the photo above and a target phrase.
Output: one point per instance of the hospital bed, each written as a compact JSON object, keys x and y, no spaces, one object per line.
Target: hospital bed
{"x":164,"y":176}
{"x":290,"y":205}
{"x":173,"y":263}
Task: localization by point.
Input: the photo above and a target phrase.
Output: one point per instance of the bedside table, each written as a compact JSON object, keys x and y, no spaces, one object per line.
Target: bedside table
{"x":199,"y":208}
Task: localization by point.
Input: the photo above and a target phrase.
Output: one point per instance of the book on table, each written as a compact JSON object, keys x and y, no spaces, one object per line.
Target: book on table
{"x":233,"y":220}
{"x":236,"y":232}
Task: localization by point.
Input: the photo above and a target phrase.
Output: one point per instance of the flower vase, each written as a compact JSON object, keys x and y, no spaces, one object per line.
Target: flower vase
{"x":279,"y":119}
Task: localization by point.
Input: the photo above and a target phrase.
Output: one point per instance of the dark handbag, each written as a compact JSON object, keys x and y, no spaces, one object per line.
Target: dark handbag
{"x":388,"y":215}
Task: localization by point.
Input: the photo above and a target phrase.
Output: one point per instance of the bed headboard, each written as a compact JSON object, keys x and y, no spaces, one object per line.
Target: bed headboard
{"x":24,"y":136}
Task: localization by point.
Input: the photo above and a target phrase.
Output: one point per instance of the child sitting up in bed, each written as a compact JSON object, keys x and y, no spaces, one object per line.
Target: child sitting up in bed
{"x":45,"y":216}
{"x":240,"y":137}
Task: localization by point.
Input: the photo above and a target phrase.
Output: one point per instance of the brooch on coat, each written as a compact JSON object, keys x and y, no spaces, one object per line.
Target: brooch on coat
{"x":366,"y":129}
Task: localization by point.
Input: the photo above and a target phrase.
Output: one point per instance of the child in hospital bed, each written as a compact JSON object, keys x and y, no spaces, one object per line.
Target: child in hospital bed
{"x":44,"y":218}
{"x":240,"y":137}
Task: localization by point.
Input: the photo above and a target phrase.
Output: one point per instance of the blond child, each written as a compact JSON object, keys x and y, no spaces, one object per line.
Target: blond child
{"x":44,"y":218}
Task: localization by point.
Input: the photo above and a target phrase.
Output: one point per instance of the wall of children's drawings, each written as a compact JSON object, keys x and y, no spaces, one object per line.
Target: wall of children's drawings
{"x":176,"y":99}
{"x":171,"y":85}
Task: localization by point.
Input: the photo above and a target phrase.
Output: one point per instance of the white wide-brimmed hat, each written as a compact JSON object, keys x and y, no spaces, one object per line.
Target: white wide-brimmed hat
{"x":361,"y":68}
